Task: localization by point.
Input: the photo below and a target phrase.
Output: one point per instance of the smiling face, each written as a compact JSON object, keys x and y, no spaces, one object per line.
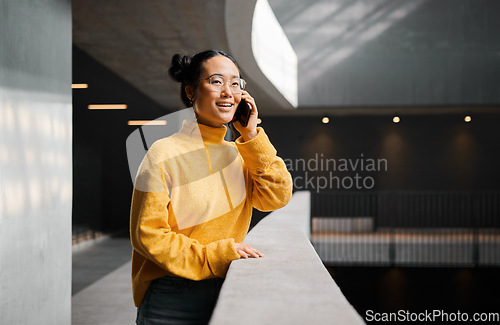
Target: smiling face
{"x":214,"y":108}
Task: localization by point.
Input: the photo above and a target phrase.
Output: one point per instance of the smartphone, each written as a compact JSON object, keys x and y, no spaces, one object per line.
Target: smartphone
{"x":243,"y":112}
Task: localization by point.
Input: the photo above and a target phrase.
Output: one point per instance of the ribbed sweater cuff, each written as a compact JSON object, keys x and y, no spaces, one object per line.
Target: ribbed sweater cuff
{"x":257,"y":152}
{"x":220,"y":254}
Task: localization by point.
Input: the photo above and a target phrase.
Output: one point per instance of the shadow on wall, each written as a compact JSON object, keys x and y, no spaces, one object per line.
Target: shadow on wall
{"x":393,"y":53}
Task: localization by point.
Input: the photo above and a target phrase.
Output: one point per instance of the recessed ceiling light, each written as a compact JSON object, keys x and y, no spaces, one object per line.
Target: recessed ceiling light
{"x":108,"y":106}
{"x":144,"y":122}
{"x":396,"y":119}
{"x":467,"y":119}
{"x":79,"y":86}
{"x":325,"y":120}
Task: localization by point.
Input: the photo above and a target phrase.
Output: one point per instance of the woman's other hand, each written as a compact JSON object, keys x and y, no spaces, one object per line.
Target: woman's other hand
{"x":244,"y":250}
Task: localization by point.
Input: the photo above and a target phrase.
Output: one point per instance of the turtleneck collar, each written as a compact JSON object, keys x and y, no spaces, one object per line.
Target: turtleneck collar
{"x":209,"y":134}
{"x":212,"y":134}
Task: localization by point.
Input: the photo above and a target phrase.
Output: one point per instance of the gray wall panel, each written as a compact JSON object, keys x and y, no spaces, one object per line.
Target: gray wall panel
{"x":35,"y":162}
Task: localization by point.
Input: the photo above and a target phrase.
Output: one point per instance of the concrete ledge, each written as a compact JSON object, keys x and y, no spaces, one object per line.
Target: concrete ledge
{"x":289,"y":285}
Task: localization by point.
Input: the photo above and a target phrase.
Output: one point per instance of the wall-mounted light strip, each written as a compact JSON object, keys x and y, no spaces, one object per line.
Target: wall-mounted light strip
{"x":106,"y":106}
{"x":159,"y":122}
{"x":79,"y":86}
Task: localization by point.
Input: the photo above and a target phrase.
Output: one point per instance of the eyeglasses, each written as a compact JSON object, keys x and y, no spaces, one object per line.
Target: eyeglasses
{"x":217,"y":83}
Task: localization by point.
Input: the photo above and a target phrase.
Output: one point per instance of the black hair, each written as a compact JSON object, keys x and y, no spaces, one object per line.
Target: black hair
{"x":187,"y":70}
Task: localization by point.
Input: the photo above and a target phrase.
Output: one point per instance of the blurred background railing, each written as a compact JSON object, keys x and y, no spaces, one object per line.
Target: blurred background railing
{"x":411,"y":228}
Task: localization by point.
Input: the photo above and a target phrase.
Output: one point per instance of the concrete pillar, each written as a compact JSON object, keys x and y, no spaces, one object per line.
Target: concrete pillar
{"x":35,"y":162}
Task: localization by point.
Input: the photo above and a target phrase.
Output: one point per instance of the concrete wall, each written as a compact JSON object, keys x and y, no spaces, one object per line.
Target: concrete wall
{"x":35,"y":162}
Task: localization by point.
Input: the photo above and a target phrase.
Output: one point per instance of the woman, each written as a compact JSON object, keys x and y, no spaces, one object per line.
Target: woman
{"x":194,"y":194}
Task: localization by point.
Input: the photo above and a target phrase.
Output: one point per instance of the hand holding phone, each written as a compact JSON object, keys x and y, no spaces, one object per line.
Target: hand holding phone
{"x":243,"y":112}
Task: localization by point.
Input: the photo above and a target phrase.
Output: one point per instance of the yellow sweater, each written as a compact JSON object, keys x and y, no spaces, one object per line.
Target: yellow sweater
{"x":193,"y":198}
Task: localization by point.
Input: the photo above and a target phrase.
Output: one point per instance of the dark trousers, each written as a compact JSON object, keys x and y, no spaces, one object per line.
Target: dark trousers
{"x":176,"y":301}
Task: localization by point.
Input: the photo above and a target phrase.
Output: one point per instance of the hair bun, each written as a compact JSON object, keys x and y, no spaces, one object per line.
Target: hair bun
{"x":179,"y":67}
